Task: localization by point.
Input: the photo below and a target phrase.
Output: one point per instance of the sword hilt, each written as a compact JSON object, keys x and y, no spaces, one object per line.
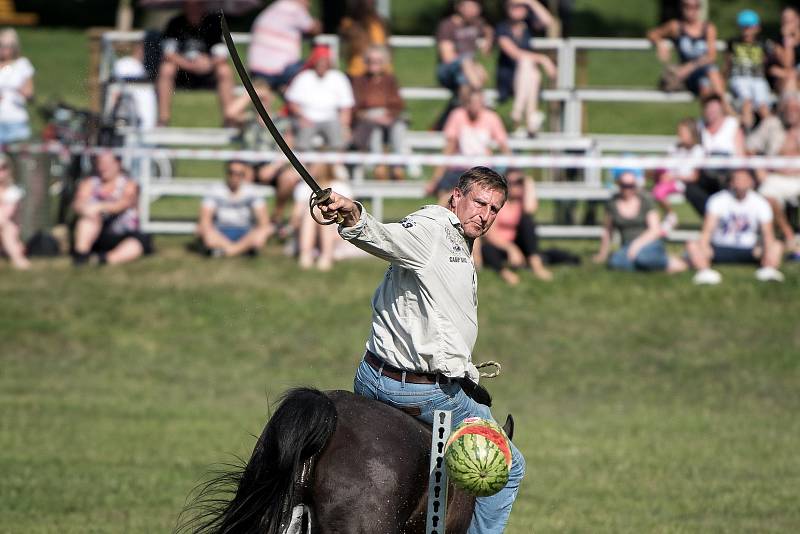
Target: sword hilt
{"x":321,"y":198}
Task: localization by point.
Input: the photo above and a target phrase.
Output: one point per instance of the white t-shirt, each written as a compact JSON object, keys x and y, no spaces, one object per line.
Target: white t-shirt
{"x":11,"y":195}
{"x":723,"y":142}
{"x":685,"y":169}
{"x":12,"y":77}
{"x":233,"y":209}
{"x":739,"y":221}
{"x":320,"y":98}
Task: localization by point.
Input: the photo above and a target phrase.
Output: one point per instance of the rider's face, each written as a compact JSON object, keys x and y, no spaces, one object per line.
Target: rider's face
{"x":478,"y":209}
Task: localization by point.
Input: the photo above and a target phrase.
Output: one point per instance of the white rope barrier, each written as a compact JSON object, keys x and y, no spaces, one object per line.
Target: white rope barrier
{"x":538,"y":161}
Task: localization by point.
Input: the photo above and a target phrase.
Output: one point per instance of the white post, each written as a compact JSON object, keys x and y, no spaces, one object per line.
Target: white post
{"x":437,"y":479}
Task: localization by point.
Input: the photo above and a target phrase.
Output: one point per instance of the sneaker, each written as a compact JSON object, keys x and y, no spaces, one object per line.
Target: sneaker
{"x":769,"y":274}
{"x":519,"y":133}
{"x":707,"y":277}
{"x":669,"y":223}
{"x":535,"y":121}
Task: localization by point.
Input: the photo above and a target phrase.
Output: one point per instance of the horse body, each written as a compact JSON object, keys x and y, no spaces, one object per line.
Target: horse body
{"x":359,"y":465}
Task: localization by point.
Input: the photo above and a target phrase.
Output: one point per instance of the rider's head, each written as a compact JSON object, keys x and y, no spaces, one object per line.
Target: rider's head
{"x":477,"y":199}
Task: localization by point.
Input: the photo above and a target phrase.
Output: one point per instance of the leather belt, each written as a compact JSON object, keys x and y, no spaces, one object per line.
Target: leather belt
{"x":397,"y":374}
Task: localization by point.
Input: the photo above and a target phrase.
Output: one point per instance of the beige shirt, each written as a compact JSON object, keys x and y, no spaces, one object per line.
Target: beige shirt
{"x":425,"y":312}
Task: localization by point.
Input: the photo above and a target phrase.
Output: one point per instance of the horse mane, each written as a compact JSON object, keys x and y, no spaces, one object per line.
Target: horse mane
{"x":257,"y":496}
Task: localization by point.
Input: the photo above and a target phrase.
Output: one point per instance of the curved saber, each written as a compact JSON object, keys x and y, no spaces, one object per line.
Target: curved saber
{"x":319,"y":196}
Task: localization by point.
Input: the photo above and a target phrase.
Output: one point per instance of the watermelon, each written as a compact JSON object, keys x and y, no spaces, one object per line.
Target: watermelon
{"x":478,"y":457}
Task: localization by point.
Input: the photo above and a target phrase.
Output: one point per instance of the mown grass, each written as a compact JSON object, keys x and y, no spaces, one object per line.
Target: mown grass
{"x":643,"y":403}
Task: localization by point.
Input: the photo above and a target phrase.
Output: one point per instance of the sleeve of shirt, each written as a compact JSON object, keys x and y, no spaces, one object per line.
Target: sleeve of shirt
{"x":209,"y":202}
{"x":445,"y":31}
{"x":764,"y":211}
{"x":304,"y":21}
{"x":409,"y":243}
{"x":345,"y":91}
{"x":715,"y":205}
{"x":26,"y":69}
{"x":294,"y":92}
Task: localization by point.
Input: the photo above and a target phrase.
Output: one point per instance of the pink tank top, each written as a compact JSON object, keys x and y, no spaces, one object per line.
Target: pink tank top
{"x":507,"y":221}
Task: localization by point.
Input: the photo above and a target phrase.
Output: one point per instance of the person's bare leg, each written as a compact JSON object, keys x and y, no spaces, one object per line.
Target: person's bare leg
{"x":676,"y":265}
{"x":697,"y":257}
{"x":474,"y":73}
{"x":773,"y":255}
{"x":214,"y":239}
{"x":748,"y":119}
{"x":509,"y":276}
{"x":306,"y":239}
{"x":538,"y":269}
{"x":165,"y":86}
{"x":284,"y":188}
{"x":127,"y":251}
{"x":718,"y":88}
{"x":782,"y":222}
{"x":327,"y":242}
{"x":10,"y":241}
{"x":254,"y":239}
{"x":521,"y":81}
{"x":87,"y":230}
{"x":224,"y":75}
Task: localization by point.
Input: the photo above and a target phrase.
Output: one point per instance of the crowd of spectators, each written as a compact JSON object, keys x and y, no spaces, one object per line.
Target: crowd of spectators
{"x":750,"y":105}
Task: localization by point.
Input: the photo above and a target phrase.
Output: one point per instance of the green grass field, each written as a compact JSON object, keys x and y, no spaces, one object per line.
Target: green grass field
{"x":643,"y":403}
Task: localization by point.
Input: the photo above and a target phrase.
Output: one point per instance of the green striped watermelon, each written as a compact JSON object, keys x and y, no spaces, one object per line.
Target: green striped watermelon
{"x":478,"y":457}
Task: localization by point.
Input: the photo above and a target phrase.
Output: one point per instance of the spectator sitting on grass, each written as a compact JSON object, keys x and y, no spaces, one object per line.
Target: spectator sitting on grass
{"x":470,"y":130}
{"x":730,"y":233}
{"x":16,"y":89}
{"x":108,"y":216}
{"x":313,"y":238}
{"x":635,"y":216}
{"x":378,"y":109}
{"x":321,"y":102}
{"x":194,"y":57}
{"x":275,"y":53}
{"x":512,"y":243}
{"x":696,"y":43}
{"x":278,"y":173}
{"x":518,"y":65}
{"x":746,"y":59}
{"x":10,"y":197}
{"x":720,"y":135}
{"x":234,"y":218}
{"x":458,"y":39}
{"x":361,"y":29}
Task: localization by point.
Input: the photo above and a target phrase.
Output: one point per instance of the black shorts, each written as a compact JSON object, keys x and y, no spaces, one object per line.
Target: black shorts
{"x":449,"y":181}
{"x":272,"y":179}
{"x":190,"y":80}
{"x":108,"y":241}
{"x":734,"y":255}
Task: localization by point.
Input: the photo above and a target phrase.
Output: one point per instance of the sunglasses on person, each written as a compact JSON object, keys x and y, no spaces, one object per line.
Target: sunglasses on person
{"x":237,"y":174}
{"x":624,"y":185}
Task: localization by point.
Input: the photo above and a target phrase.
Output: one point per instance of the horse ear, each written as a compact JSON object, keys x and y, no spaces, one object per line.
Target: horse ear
{"x":509,"y":427}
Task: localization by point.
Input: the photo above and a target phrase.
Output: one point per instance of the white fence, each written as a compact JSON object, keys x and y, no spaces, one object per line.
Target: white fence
{"x":566,"y":91}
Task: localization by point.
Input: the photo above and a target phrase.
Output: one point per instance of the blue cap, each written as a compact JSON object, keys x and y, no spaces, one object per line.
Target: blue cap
{"x":747,"y":18}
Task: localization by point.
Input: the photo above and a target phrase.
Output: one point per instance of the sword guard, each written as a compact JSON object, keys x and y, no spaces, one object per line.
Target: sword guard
{"x":320,"y":199}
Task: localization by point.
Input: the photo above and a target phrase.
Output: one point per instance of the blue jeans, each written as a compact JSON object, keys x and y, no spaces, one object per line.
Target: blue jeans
{"x":652,"y":257}
{"x":14,"y":131}
{"x":491,"y":513}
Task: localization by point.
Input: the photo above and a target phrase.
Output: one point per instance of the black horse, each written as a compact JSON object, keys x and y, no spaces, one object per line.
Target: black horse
{"x":360,"y":466}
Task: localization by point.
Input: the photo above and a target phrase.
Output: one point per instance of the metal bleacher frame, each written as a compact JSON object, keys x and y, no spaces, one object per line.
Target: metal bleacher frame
{"x":565,"y":91}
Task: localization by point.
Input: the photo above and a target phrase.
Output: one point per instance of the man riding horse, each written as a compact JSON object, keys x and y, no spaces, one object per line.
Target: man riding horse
{"x":424,"y":313}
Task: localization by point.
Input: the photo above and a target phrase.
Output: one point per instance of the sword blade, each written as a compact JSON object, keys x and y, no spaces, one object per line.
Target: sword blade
{"x":262,"y":112}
